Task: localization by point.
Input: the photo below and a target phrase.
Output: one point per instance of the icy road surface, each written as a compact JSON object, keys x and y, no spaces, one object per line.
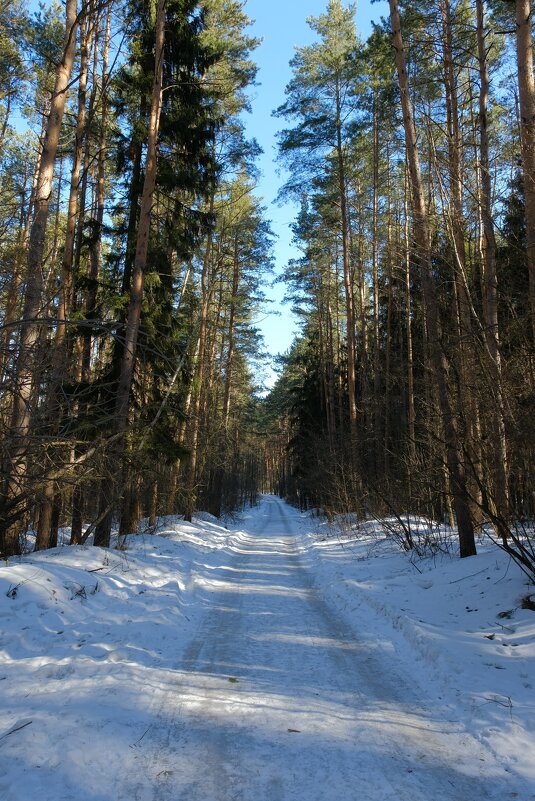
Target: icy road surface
{"x":276,"y":700}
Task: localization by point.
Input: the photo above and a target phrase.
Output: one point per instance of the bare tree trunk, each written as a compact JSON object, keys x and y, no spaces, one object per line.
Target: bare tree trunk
{"x":15,"y":481}
{"x":348,"y":284}
{"x":72,"y":209}
{"x":196,"y":395}
{"x":153,"y":503}
{"x":490,"y":282}
{"x":526,"y":95}
{"x":358,"y":277}
{"x":103,"y":529}
{"x":221,"y":460}
{"x":231,"y":335}
{"x":456,"y":220}
{"x":60,"y":348}
{"x":209,"y":394}
{"x":467,"y":398}
{"x":8,"y":96}
{"x":13,"y":297}
{"x":330,"y":379}
{"x":411,"y":405}
{"x":95,"y":244}
{"x":375,"y":277}
{"x":423,"y":243}
{"x":131,"y":507}
{"x":388,"y":377}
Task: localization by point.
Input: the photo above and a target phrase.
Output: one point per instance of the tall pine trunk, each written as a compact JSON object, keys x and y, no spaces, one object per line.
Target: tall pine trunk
{"x":15,"y":486}
{"x":109,"y":484}
{"x":467,"y":398}
{"x":348,"y":283}
{"x":60,"y":348}
{"x":526,"y":96}
{"x":489,"y":280}
{"x":423,"y":245}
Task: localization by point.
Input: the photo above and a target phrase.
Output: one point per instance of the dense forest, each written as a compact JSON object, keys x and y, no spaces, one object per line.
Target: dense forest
{"x":411,"y":389}
{"x":134,"y":252}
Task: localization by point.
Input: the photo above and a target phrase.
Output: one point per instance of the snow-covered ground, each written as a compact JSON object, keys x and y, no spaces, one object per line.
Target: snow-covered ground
{"x":277,"y":660}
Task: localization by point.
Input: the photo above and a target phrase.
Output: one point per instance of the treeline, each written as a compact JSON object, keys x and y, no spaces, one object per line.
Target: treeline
{"x":131,"y":252}
{"x":411,"y":386}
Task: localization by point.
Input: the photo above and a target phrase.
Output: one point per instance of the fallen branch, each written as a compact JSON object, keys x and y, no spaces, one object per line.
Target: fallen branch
{"x":507,"y":704}
{"x":470,"y":576}
{"x":16,"y":727}
{"x":135,"y":745}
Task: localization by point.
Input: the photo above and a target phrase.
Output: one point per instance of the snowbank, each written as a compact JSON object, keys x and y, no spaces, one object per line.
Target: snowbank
{"x":91,"y":639}
{"x":459,"y":623}
{"x":88,"y":645}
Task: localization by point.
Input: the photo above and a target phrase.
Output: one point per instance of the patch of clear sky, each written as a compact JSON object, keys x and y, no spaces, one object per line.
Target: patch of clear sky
{"x":282,"y":26}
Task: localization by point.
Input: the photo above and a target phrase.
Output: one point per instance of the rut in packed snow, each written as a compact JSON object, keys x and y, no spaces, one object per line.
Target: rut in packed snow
{"x":206,"y":664}
{"x":277,"y":701}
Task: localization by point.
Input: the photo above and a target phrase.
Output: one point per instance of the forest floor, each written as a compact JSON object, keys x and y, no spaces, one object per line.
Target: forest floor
{"x":278,"y":659}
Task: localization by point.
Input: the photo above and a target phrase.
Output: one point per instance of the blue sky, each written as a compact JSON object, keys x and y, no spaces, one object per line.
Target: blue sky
{"x":282,"y":26}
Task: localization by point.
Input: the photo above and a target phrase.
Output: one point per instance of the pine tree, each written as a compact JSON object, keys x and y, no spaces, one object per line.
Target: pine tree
{"x":319,"y":100}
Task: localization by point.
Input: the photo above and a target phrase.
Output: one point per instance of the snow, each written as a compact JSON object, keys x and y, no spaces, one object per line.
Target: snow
{"x":281,"y":658}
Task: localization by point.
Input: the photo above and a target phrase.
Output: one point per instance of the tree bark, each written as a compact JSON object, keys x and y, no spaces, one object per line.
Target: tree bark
{"x":490,"y":281}
{"x":411,"y":404}
{"x":13,"y":296}
{"x":95,"y":244}
{"x":454,"y":208}
{"x":423,"y":245}
{"x":348,"y":284}
{"x":196,"y":394}
{"x":375,"y":278}
{"x":34,"y":298}
{"x":526,"y":95}
{"x":108,"y":487}
{"x":60,"y":348}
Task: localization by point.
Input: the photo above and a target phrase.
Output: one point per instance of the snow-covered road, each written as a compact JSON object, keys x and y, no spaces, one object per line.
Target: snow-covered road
{"x":206,"y":664}
{"x":276,"y":700}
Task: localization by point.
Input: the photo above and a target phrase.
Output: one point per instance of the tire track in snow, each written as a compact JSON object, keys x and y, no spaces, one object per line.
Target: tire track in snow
{"x":278,"y":700}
